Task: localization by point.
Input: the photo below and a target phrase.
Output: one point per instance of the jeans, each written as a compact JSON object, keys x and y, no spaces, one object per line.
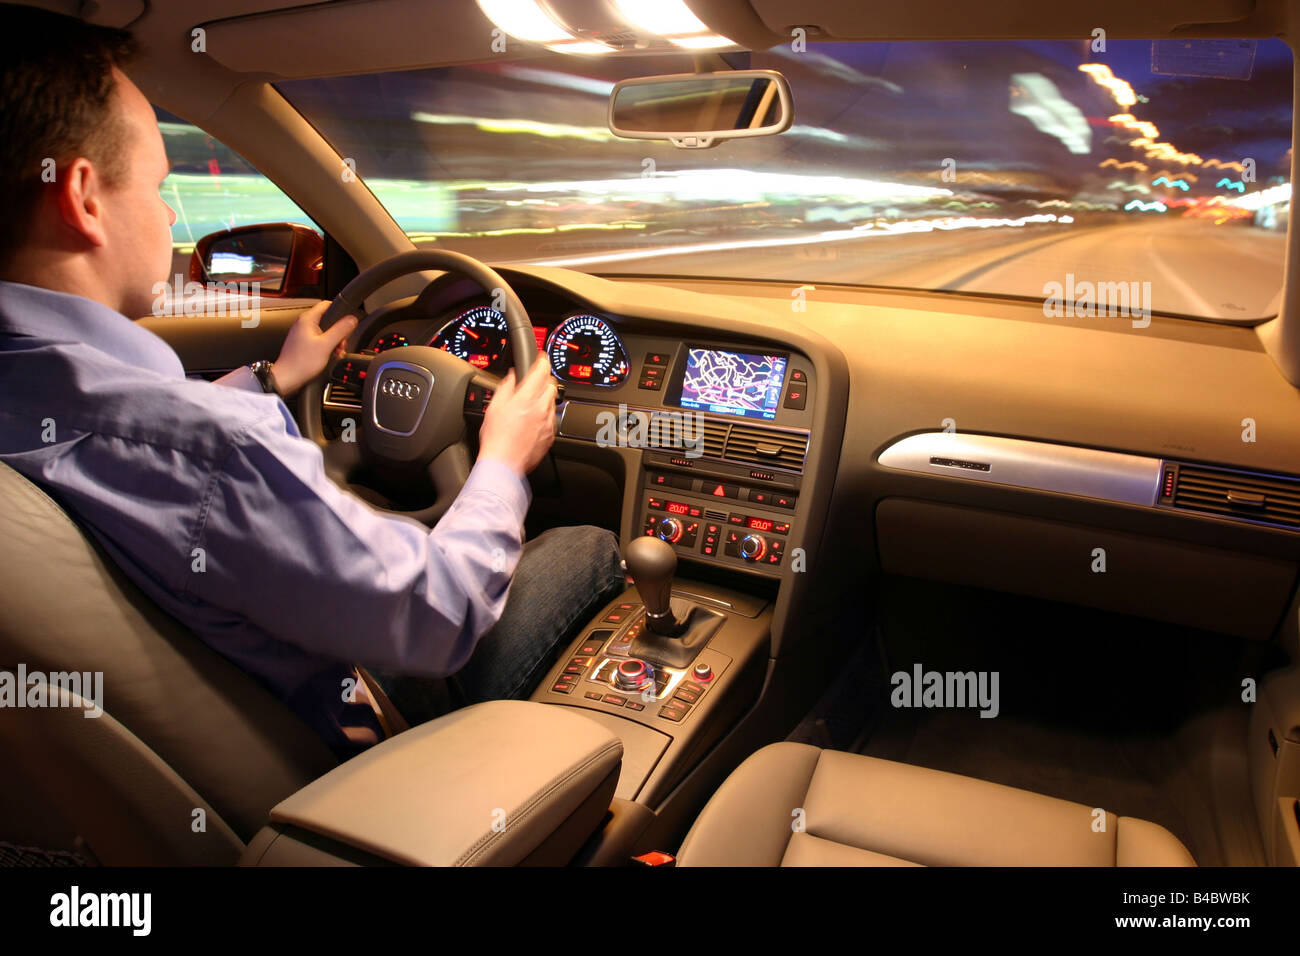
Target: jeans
{"x":563,"y":576}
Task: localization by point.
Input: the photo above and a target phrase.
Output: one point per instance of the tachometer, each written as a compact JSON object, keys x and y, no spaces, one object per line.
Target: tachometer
{"x":479,"y":337}
{"x":584,"y":349}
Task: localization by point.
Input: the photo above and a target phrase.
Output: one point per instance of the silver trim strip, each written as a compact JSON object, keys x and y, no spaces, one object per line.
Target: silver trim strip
{"x":1042,"y":466}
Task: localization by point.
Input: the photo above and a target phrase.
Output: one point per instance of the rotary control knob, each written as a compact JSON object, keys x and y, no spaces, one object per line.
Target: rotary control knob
{"x":670,"y":529}
{"x":702,"y":671}
{"x":633,"y":674}
{"x":753,"y":547}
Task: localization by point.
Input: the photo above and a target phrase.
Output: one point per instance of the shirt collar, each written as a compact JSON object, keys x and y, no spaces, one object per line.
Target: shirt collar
{"x":59,"y":317}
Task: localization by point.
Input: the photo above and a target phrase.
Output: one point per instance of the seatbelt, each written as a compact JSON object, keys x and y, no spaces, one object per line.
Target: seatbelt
{"x":392,"y":722}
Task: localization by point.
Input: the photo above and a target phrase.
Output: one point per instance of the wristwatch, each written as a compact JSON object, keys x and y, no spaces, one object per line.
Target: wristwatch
{"x":265,"y":376}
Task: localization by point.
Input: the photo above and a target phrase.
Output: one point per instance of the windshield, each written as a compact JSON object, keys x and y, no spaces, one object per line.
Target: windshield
{"x":1033,"y":169}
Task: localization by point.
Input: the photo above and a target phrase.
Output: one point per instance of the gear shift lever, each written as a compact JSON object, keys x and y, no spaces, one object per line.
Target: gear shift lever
{"x":651,"y":562}
{"x":673,"y":635}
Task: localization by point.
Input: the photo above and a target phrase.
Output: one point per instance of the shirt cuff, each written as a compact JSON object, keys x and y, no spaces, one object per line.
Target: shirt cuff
{"x":499,"y":479}
{"x":241,"y":377}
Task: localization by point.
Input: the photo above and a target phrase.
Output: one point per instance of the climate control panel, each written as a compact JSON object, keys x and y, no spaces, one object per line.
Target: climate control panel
{"x":718,"y":521}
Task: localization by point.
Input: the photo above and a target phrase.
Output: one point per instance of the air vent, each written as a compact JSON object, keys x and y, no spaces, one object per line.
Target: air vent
{"x":671,"y":431}
{"x":1271,"y":498}
{"x":766,"y":446}
{"x":343,"y":396}
{"x":715,"y":437}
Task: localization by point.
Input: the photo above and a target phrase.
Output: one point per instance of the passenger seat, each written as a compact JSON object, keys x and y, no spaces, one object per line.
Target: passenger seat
{"x":795,"y":805}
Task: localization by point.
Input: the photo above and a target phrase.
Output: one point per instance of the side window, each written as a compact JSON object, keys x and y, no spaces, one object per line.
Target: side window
{"x":212,"y":189}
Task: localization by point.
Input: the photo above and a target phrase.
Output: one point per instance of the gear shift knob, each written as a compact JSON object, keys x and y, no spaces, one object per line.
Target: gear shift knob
{"x":651,"y":562}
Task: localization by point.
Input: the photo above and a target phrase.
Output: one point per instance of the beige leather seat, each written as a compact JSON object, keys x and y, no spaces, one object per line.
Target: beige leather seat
{"x":795,"y":805}
{"x":190,"y":753}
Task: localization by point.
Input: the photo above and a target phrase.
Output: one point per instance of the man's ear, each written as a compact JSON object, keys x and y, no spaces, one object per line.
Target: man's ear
{"x":80,"y":201}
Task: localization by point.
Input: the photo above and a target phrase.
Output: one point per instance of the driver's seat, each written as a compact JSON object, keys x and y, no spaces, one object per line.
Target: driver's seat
{"x":190,"y":753}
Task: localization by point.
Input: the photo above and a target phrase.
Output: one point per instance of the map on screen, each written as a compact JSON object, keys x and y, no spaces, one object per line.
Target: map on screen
{"x":733,"y":383}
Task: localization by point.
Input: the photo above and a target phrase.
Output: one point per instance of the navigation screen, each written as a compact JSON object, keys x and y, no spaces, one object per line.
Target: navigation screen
{"x":733,"y":383}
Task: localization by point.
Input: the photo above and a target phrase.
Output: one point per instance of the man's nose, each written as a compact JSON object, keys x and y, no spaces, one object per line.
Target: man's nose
{"x":171,"y":214}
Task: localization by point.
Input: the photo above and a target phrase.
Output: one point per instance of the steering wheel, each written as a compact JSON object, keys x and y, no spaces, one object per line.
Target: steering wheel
{"x":414,"y":399}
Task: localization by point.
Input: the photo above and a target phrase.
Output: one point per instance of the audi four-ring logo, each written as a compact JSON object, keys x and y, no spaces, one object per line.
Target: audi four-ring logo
{"x":399,"y":389}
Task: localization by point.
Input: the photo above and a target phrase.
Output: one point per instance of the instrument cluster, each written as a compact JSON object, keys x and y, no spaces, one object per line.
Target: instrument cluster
{"x":583,"y":348}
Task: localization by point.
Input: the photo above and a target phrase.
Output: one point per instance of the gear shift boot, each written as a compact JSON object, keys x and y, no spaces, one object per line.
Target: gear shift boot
{"x":696,"y":625}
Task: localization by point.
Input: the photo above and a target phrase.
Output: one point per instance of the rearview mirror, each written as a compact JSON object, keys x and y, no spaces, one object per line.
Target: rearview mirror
{"x":284,"y":258}
{"x":699,"y":110}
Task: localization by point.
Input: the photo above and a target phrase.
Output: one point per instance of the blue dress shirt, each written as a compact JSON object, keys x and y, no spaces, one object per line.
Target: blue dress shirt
{"x":211,"y":502}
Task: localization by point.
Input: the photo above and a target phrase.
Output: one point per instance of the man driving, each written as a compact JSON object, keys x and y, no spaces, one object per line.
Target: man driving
{"x":204,"y":493}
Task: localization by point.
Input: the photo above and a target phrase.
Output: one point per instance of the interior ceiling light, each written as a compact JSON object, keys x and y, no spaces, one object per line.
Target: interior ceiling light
{"x":610,"y":27}
{"x":672,"y":20}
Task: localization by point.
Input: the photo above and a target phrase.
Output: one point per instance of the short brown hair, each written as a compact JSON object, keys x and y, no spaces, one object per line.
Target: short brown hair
{"x":56,"y":91}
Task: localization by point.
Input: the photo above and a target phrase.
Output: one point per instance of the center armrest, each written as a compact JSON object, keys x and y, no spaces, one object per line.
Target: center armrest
{"x":494,"y":784}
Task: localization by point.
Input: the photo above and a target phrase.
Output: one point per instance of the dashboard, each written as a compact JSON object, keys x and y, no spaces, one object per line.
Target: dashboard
{"x":713,"y":428}
{"x":890,"y":432}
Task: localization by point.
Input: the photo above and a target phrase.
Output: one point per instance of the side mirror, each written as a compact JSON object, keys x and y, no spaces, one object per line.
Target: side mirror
{"x":699,"y":110}
{"x":284,"y":257}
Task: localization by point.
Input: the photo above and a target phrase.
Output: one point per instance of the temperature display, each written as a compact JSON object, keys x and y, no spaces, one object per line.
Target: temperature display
{"x":760,"y":524}
{"x":677,"y":507}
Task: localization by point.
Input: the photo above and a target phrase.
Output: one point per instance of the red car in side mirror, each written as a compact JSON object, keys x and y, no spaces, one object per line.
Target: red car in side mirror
{"x":286,"y":259}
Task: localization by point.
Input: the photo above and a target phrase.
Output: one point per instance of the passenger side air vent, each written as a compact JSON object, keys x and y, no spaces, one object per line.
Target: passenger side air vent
{"x":756,"y":445}
{"x":1271,"y":498}
{"x":338,"y":395}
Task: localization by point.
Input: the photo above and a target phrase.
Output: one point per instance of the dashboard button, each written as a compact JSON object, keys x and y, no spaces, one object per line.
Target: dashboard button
{"x":783,"y":501}
{"x":650,"y":384}
{"x":795,"y":397}
{"x":798,"y":376}
{"x":719,"y":489}
{"x":656,"y":358}
{"x":673,"y":710}
{"x":759,"y":497}
{"x":652,"y":372}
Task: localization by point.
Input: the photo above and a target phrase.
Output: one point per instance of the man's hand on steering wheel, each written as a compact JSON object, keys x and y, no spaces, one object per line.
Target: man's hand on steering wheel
{"x":519,"y":425}
{"x":307,"y":350}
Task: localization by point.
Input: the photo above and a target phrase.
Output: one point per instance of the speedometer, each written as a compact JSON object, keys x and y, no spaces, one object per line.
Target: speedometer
{"x":584,"y":349}
{"x":478,"y":336}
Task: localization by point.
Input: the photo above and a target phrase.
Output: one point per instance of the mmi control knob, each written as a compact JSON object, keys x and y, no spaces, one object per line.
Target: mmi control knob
{"x":670,"y":529}
{"x":753,"y":547}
